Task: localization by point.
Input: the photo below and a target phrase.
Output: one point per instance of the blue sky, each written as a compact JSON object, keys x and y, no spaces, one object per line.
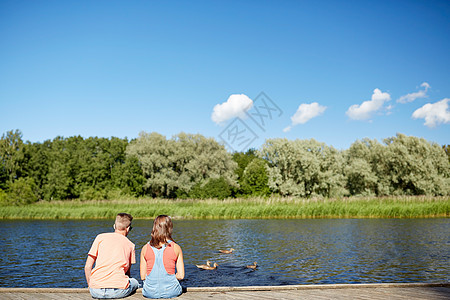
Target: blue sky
{"x":335,"y":71}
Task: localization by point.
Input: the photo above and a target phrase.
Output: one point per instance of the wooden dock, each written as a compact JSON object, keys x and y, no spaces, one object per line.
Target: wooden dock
{"x":381,"y":291}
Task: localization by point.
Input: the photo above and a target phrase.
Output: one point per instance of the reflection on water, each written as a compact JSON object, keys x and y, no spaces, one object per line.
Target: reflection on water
{"x":53,"y":253}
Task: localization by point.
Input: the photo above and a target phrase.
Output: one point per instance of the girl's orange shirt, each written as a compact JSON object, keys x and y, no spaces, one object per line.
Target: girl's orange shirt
{"x":169,"y":258}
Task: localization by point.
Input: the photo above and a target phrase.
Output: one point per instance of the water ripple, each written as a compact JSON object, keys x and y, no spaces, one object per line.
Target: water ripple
{"x":53,"y":253}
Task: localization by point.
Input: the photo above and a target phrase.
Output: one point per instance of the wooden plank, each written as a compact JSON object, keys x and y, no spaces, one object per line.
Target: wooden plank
{"x":22,"y":296}
{"x":250,"y":288}
{"x":326,"y":294}
{"x":289,"y":295}
{"x":269,"y":295}
{"x":423,"y":293}
{"x":315,"y":292}
{"x":407,"y":293}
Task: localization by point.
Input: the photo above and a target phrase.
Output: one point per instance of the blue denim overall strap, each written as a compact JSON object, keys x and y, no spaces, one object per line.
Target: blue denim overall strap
{"x":159,"y":283}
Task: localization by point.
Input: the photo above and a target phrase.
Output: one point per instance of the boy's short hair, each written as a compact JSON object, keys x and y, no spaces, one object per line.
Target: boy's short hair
{"x":123,"y":220}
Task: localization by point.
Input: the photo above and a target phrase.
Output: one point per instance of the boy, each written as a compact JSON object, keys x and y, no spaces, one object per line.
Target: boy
{"x":113,"y":253}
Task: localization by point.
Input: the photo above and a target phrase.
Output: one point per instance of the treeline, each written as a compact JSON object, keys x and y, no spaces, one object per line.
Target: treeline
{"x":193,"y":166}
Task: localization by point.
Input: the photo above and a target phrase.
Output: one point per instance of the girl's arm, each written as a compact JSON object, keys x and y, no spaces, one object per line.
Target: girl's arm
{"x":143,"y":264}
{"x":180,"y":263}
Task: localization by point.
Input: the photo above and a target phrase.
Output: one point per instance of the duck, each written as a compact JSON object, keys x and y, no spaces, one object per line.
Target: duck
{"x":208,"y":266}
{"x":227,"y":251}
{"x":252,"y":266}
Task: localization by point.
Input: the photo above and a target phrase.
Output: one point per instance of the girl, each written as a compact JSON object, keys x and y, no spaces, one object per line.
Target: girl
{"x":158,"y":260}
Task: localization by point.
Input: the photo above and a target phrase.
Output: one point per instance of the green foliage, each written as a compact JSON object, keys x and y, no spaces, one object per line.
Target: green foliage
{"x":193,"y":166}
{"x":90,"y":168}
{"x":217,"y":188}
{"x":361,"y":166}
{"x":74,"y":167}
{"x":3,"y":197}
{"x":416,"y":167}
{"x":243,"y":159}
{"x":155,"y":155}
{"x":36,"y":164}
{"x":93,"y":194}
{"x":128,"y":177}
{"x":360,"y":178}
{"x":11,"y":157}
{"x":59,"y":180}
{"x":403,"y":166}
{"x":173,"y":167}
{"x":447,"y":151}
{"x":304,"y":168}
{"x":254,"y":180}
{"x":22,"y":191}
{"x":3,"y":176}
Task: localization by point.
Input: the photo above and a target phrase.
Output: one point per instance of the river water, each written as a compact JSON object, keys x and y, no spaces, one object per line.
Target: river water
{"x":320,"y":251}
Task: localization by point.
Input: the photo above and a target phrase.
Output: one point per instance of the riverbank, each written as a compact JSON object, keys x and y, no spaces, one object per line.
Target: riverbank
{"x":249,"y":208}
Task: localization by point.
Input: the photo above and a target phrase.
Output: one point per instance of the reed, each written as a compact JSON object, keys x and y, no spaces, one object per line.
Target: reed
{"x":256,"y":208}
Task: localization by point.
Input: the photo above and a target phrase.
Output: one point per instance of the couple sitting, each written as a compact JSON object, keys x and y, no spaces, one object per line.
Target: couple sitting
{"x":113,"y":253}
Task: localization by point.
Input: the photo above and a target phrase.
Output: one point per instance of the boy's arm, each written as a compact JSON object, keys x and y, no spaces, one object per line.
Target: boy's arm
{"x":132,"y":262}
{"x":88,"y":267}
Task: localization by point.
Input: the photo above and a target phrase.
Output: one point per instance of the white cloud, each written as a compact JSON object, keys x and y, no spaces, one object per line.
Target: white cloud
{"x":364,"y":111}
{"x":235,"y":106}
{"x":434,"y":114}
{"x":413,"y":96}
{"x":425,"y":85}
{"x":389,"y":109}
{"x":304,"y":113}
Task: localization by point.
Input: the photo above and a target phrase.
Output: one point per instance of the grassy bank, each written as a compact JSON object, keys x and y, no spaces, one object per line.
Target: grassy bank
{"x":399,"y":207}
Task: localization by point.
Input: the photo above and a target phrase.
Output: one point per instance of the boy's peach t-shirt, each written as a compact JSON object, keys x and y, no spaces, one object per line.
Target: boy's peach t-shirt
{"x":114,"y":255}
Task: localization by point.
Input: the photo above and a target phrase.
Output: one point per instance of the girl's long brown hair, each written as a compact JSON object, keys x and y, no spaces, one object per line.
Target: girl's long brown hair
{"x":162,"y":231}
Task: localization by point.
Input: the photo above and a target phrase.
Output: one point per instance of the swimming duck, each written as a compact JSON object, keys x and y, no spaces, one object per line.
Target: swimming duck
{"x":208,"y":266}
{"x":252,"y":266}
{"x":227,"y":251}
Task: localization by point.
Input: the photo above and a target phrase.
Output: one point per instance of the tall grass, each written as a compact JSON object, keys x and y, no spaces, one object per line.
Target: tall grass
{"x":256,"y":208}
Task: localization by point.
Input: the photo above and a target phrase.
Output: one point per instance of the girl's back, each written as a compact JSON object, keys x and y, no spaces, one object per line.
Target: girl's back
{"x":160,"y":281}
{"x":160,"y":258}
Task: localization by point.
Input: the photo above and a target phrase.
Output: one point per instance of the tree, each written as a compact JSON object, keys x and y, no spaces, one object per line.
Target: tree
{"x":92,"y":168}
{"x":304,"y":168}
{"x":59,"y":179}
{"x":243,"y":159}
{"x":126,"y":173}
{"x":36,"y":164}
{"x":254,"y":179}
{"x":403,"y":165}
{"x":416,"y":166}
{"x":447,"y":151}
{"x":3,"y":175}
{"x":22,"y":191}
{"x":173,"y":167}
{"x":11,"y":156}
{"x":93,"y":160}
{"x":361,"y":164}
{"x":213,"y":188}
{"x":128,"y":177}
{"x":153,"y":152}
{"x":3,"y":197}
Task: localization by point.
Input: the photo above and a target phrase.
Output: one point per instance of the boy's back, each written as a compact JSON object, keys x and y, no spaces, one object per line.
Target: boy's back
{"x":114,"y":255}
